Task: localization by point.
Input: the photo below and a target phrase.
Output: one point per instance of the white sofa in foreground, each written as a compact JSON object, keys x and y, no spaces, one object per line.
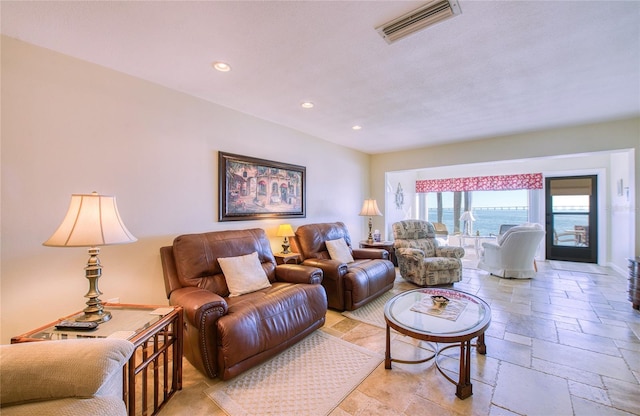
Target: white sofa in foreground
{"x":68,"y":377}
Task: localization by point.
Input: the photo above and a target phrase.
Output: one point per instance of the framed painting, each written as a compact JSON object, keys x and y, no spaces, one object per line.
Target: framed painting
{"x":252,"y":189}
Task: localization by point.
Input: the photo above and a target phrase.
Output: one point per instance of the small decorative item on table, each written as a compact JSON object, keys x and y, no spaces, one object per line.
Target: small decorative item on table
{"x":440,"y":301}
{"x":437,"y":304}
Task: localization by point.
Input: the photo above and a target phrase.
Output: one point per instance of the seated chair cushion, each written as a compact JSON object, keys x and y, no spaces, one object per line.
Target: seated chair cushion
{"x":442,"y":263}
{"x":262,"y":320}
{"x":338,"y":250}
{"x":244,"y":274}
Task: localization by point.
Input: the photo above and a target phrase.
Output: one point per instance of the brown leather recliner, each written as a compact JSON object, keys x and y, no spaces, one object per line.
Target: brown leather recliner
{"x":348,"y":285}
{"x":224,"y":335}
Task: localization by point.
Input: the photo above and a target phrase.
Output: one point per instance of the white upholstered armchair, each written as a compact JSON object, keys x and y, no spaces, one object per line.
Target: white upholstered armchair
{"x":512,"y":254}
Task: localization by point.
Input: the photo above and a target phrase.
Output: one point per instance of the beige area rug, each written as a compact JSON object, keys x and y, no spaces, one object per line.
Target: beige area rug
{"x":578,"y":267}
{"x":373,"y":312}
{"x":310,"y":378}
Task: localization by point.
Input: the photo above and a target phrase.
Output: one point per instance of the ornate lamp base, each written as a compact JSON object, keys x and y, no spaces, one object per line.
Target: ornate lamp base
{"x":370,"y":238}
{"x":94,"y":312}
{"x":98,"y":317}
{"x":285,"y":246}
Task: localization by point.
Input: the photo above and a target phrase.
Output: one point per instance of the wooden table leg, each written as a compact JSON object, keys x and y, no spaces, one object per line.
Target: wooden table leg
{"x":481,"y":347}
{"x":464,"y":388}
{"x":387,"y":354}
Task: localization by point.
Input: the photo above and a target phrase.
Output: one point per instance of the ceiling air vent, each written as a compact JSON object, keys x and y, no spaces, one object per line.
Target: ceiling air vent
{"x":427,"y":15}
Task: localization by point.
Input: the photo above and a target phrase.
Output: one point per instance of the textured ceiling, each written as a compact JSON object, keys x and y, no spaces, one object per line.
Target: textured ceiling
{"x":501,"y":67}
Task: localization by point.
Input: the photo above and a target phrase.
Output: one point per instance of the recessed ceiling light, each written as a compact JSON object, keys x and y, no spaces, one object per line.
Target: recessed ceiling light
{"x":307,"y":104}
{"x":221,"y":66}
{"x":356,"y":127}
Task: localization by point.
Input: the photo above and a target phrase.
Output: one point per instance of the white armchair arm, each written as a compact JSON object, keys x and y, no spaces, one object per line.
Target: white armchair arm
{"x":491,"y":252}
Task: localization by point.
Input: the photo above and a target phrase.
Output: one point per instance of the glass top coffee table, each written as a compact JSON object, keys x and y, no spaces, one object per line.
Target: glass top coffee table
{"x":463,"y":318}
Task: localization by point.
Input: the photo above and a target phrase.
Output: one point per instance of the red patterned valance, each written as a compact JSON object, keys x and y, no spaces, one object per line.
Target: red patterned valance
{"x":481,"y":183}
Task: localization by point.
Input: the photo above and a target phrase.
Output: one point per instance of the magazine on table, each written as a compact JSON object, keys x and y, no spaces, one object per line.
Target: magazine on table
{"x":451,"y":311}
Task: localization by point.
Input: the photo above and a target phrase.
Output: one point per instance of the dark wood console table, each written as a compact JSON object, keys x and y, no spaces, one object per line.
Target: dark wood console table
{"x":634,"y":282}
{"x":386,"y":245}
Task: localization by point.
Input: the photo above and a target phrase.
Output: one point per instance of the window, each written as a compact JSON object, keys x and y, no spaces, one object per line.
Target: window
{"x":490,"y":209}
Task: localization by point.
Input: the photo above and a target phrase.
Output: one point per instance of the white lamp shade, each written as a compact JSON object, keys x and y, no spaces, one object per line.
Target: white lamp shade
{"x":370,"y":208}
{"x":92,"y":220}
{"x":467,"y":216}
{"x":285,"y":230}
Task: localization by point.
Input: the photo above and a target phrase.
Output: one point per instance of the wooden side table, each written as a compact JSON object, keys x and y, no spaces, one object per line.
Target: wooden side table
{"x":282,"y":258}
{"x":386,"y":245}
{"x":154,"y":371}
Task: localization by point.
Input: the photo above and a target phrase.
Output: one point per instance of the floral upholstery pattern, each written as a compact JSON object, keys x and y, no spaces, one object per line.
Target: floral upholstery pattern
{"x":420,"y":257}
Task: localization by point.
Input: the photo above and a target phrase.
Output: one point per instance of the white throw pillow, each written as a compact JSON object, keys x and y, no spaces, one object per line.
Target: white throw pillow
{"x":244,"y":274}
{"x":339,"y":250}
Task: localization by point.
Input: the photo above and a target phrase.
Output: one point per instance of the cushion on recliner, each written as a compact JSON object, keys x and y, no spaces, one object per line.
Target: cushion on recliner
{"x":338,"y":250}
{"x":244,"y":274}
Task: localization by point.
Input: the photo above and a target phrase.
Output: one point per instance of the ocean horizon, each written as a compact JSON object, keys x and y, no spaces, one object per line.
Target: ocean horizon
{"x":488,"y":221}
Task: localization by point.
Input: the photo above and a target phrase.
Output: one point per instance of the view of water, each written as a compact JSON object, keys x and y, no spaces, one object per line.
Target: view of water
{"x":488,"y":221}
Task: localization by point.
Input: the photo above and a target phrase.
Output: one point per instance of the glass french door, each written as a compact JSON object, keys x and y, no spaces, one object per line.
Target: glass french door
{"x":572,"y":218}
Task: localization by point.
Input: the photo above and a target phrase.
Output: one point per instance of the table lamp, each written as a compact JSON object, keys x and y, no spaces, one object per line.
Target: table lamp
{"x":370,"y":209}
{"x":468,"y":219}
{"x":92,"y":220}
{"x":285,"y":230}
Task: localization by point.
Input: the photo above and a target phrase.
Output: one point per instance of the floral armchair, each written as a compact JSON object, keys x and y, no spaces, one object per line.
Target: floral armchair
{"x":421,"y":259}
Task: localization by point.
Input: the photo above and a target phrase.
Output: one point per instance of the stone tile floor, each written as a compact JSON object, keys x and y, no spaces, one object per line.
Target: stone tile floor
{"x":563,"y":343}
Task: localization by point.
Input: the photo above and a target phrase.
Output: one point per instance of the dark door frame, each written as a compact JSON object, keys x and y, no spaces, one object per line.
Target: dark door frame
{"x":585,"y":254}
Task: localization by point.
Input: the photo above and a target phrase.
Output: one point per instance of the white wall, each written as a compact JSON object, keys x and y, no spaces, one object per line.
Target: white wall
{"x":69,"y":126}
{"x":407,"y":210}
{"x":619,"y":207}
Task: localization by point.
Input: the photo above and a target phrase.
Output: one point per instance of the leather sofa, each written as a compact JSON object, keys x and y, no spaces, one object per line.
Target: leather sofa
{"x":349,"y":285}
{"x":226,"y":335}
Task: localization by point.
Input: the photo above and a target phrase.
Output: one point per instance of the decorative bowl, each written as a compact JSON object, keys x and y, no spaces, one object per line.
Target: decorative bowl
{"x":440,"y":301}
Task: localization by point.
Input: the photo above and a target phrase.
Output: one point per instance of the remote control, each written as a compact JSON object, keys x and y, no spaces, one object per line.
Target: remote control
{"x":76,"y":326}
